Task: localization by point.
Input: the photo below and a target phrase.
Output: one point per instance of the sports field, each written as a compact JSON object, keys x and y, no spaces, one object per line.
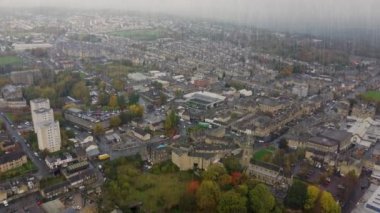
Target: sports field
{"x":263,"y":154}
{"x":9,"y":60}
{"x":371,"y":96}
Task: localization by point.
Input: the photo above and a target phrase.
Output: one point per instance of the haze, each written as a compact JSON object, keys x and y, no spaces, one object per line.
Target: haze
{"x":301,"y":15}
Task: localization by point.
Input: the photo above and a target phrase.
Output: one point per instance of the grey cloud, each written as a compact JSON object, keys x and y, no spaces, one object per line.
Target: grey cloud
{"x":267,"y":13}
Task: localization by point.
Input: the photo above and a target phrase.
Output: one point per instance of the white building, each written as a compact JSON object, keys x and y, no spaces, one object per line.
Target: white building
{"x":47,"y":130}
{"x":42,"y":115}
{"x":301,"y":90}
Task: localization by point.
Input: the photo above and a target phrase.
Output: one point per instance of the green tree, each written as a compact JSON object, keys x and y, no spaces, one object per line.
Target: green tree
{"x":115,"y":121}
{"x":125,"y":117}
{"x":232,"y":164}
{"x":232,"y":202}
{"x":133,"y":98}
{"x":297,"y":195}
{"x":208,"y":195}
{"x":121,"y":101}
{"x":313,"y":193}
{"x":328,"y":204}
{"x":261,"y":199}
{"x":213,"y":172}
{"x":81,"y":92}
{"x":171,"y":123}
{"x":163,"y":99}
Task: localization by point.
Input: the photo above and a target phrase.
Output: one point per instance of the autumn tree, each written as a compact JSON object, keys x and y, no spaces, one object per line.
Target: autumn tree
{"x":261,"y":199}
{"x":115,"y":121}
{"x":171,"y":123}
{"x":98,"y":129}
{"x":113,"y":102}
{"x":213,"y":172}
{"x":328,"y":204}
{"x":81,"y":92}
{"x":136,"y":110}
{"x":231,"y":202}
{"x":208,"y":195}
{"x":313,"y":193}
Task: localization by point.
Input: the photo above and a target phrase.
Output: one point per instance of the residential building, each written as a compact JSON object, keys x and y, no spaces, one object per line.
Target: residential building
{"x":47,"y":130}
{"x":141,"y":134}
{"x":26,"y":77}
{"x":268,"y":173}
{"x":60,"y":161}
{"x":55,"y":190}
{"x":187,"y":160}
{"x":49,"y":136}
{"x":12,"y":160}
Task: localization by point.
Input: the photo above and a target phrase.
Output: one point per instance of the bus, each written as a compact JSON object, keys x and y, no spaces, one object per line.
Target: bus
{"x":104,"y":157}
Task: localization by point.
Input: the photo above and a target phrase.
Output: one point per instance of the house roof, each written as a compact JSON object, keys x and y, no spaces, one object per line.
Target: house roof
{"x":12,"y":156}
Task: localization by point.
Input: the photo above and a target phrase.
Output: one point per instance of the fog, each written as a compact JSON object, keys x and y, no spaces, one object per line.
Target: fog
{"x":302,"y":15}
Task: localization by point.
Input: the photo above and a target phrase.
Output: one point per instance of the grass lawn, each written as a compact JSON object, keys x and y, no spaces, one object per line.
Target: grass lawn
{"x":157,"y":191}
{"x":9,"y":60}
{"x":263,"y":153}
{"x":372,"y":96}
{"x":29,"y":167}
{"x":19,"y":116}
{"x":142,"y":35}
{"x":49,"y":181}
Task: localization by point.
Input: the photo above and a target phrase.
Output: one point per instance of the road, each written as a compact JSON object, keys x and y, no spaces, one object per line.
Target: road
{"x":43,"y":170}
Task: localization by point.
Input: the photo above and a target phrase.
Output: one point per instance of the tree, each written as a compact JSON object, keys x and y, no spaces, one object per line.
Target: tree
{"x":283,"y":144}
{"x":231,"y":202}
{"x":136,"y":110}
{"x":328,"y":204}
{"x":213,"y":172}
{"x":261,"y":199}
{"x":125,"y":117}
{"x":118,"y":84}
{"x":98,"y":129}
{"x":313,"y":193}
{"x":171,"y":123}
{"x":208,"y":195}
{"x":81,"y":92}
{"x":121,"y":101}
{"x":113,"y":102}
{"x":115,"y":121}
{"x":187,"y":203}
{"x":232,"y":164}
{"x":133,"y":98}
{"x":193,"y":187}
{"x":297,"y":195}
{"x":163,"y":99}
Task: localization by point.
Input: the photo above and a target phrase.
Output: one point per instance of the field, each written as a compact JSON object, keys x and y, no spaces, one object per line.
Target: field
{"x":9,"y":60}
{"x":263,"y":154}
{"x":371,"y":96}
{"x":158,"y":190}
{"x":142,"y":35}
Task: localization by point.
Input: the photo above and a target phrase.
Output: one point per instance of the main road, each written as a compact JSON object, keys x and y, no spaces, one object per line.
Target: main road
{"x":43,"y":170}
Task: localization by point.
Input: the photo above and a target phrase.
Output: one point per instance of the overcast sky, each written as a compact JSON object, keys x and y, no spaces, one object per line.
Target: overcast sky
{"x":302,"y":14}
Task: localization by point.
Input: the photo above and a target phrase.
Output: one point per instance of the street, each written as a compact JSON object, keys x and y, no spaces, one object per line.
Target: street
{"x":43,"y":170}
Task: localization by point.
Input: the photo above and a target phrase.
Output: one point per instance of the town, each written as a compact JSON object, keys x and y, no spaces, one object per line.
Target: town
{"x":120,"y":112}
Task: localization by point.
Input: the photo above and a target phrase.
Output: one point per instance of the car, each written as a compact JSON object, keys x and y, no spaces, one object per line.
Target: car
{"x":5,"y":202}
{"x":35,"y":154}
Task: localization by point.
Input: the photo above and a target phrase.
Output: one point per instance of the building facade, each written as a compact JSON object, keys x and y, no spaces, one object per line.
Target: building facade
{"x":47,"y":130}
